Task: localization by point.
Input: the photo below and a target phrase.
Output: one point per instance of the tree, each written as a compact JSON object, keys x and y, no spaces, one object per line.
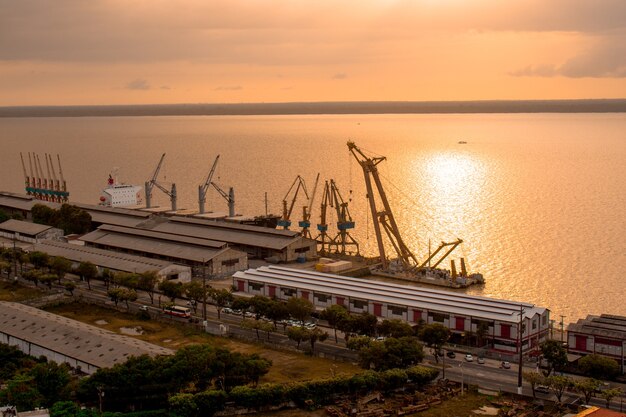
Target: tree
{"x":365,"y":324}
{"x":357,"y":343}
{"x":252,"y":324}
{"x":60,"y":266}
{"x":392,"y":353}
{"x":587,"y":387}
{"x":115,"y":294}
{"x":6,"y":267}
{"x":395,"y":328}
{"x":33,"y":275}
{"x":147,"y":281}
{"x":87,"y":271}
{"x":316,"y":335}
{"x":482,"y":330}
{"x":298,"y":334}
{"x":196,"y":292}
{"x":107,"y":277}
{"x":222,"y":298}
{"x":22,"y":393}
{"x":48,"y":279}
{"x":3,"y":216}
{"x":39,"y":259}
{"x":277,"y":311}
{"x":259,"y":305}
{"x":334,"y":315}
{"x":43,"y":214}
{"x":73,"y":220}
{"x":533,"y":378}
{"x":300,"y":308}
{"x":70,"y":287}
{"x":556,"y":355}
{"x":435,"y":336}
{"x":598,"y":366}
{"x":127,"y":295}
{"x":171,"y":289}
{"x":51,"y":381}
{"x":558,"y":384}
{"x":129,"y":280}
{"x":609,"y":394}
{"x":183,"y":405}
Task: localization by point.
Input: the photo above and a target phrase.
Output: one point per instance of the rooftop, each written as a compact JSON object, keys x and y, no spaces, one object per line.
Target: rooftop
{"x":605,"y":325}
{"x":22,"y":227}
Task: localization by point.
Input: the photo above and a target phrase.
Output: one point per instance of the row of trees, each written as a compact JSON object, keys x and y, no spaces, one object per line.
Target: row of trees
{"x":558,"y":384}
{"x":71,"y":219}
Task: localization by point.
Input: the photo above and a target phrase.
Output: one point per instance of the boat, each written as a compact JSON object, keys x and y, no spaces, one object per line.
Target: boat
{"x":462,"y":142}
{"x":120,"y":194}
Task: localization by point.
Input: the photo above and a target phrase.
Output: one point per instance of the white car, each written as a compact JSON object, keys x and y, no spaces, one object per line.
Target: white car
{"x":469,"y":357}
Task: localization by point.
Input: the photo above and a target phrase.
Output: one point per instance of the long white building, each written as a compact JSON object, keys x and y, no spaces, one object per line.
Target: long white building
{"x":461,"y":313}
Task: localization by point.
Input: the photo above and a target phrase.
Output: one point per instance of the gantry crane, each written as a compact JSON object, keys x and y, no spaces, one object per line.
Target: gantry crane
{"x":343,"y":239}
{"x":322,"y":238}
{"x":299,"y":184}
{"x":305,"y":223}
{"x":230,"y":198}
{"x":153,"y":182}
{"x":202,"y":189}
{"x":26,"y":177}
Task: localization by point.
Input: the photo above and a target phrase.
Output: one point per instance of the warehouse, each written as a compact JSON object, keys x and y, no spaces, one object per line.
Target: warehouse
{"x":28,"y":232}
{"x":114,"y":261}
{"x":462,"y":314}
{"x":601,"y":335}
{"x":206,"y":256}
{"x":37,"y":332}
{"x":258,"y":242}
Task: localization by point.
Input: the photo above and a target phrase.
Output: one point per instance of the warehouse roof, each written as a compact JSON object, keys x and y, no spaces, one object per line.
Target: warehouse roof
{"x":605,"y":325}
{"x":71,"y":338}
{"x":24,"y":228}
{"x":101,"y":257}
{"x":114,"y":215}
{"x":167,"y":245}
{"x":22,"y":201}
{"x":237,"y":234}
{"x":393,"y":294}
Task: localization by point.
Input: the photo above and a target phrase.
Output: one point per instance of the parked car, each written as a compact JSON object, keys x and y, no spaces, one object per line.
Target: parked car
{"x":480,"y":360}
{"x":451,"y":354}
{"x":469,"y":357}
{"x":505,"y":365}
{"x":542,"y":388}
{"x":143,"y":308}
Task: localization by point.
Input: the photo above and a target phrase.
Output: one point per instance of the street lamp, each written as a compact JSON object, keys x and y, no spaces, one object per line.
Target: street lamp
{"x":462,"y":376}
{"x":519,"y":343}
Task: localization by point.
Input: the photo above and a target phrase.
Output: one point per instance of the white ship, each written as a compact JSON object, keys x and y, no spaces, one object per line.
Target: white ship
{"x":120,"y":195}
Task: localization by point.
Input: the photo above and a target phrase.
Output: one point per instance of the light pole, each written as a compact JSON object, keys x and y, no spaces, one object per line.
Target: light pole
{"x":562,"y":327}
{"x":462,"y":377}
{"x":519,"y":343}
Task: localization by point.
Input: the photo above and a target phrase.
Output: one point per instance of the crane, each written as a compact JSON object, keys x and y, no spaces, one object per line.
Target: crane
{"x":298,"y":183}
{"x":384,"y":217}
{"x":230,"y":198}
{"x":322,"y":238}
{"x":64,"y":194}
{"x":305,"y":223}
{"x":153,"y":182}
{"x":26,"y":177}
{"x":202,"y":189}
{"x":344,"y":222}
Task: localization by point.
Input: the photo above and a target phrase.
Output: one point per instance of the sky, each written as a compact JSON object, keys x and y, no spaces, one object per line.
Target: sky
{"x":91,"y":52}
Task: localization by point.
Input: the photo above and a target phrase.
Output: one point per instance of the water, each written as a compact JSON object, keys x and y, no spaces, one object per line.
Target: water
{"x":538,"y":198}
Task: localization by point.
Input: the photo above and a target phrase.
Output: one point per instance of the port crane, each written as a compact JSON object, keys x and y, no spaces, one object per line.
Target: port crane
{"x":202,"y":189}
{"x":305,"y":223}
{"x":230,"y":198}
{"x":153,"y":183}
{"x":343,"y":239}
{"x":297,"y":185}
{"x":384,"y":218}
{"x":322,"y":227}
{"x":44,"y":187}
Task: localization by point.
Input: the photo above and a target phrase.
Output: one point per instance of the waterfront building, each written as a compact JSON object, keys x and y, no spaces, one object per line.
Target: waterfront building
{"x":465,"y":315}
{"x":601,"y":335}
{"x":28,"y":232}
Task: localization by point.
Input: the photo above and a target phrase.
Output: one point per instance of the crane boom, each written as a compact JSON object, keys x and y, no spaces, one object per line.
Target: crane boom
{"x":306,"y":211}
{"x":153,"y":182}
{"x":343,"y":239}
{"x":298,"y":183}
{"x":230,"y":198}
{"x":26,"y":178}
{"x":322,"y":238}
{"x":202,"y":189}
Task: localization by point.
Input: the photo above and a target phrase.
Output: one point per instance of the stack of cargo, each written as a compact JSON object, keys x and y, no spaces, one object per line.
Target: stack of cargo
{"x":328,"y":265}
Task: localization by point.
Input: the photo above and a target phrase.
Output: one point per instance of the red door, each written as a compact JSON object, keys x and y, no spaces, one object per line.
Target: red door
{"x":417,"y":316}
{"x":305,"y":295}
{"x":378,"y":309}
{"x":340,"y":301}
{"x":505,"y":331}
{"x":581,"y":342}
{"x":460,"y":323}
{"x":240,"y":285}
{"x":272,"y":291}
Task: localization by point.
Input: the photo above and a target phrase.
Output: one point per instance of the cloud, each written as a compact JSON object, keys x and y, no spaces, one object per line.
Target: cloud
{"x":606,"y":59}
{"x":228,"y":88}
{"x":340,"y":76}
{"x":138,"y":84}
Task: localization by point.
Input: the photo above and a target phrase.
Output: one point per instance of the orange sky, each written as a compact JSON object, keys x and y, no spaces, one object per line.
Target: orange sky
{"x":207,"y":51}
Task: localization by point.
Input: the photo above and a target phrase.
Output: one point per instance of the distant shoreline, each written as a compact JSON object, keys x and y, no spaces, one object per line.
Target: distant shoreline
{"x":324,"y":108}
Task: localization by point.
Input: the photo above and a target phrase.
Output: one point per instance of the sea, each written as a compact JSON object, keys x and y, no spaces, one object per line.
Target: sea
{"x":539,"y":199}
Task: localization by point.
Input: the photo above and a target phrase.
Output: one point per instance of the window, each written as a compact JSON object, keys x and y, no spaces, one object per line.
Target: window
{"x":397,"y":311}
{"x":438,"y":317}
{"x":289,"y":292}
{"x":303,"y":249}
{"x":256,"y":286}
{"x":322,"y":298}
{"x":360,"y":304}
{"x":534,"y":324}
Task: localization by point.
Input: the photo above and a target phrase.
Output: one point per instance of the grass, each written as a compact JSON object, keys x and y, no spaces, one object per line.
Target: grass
{"x":10,"y":291}
{"x":287,"y":366}
{"x":457,"y":406}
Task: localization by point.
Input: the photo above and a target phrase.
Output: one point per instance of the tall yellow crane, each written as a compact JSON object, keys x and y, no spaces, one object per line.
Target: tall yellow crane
{"x":305,"y":223}
{"x":343,"y":240}
{"x":297,"y":185}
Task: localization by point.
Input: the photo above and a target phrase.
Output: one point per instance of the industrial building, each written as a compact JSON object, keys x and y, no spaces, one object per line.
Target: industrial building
{"x":601,"y":335}
{"x":461,"y":313}
{"x":114,"y":261}
{"x":60,"y":339}
{"x":258,"y":242}
{"x":28,"y":232}
{"x":204,"y":256}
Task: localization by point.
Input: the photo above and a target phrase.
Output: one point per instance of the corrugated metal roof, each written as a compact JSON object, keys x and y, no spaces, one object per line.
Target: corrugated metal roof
{"x":74,"y":339}
{"x":604,"y":325}
{"x":172,"y":237}
{"x":242,"y":235}
{"x":103,"y":258}
{"x":22,"y":201}
{"x":26,"y":228}
{"x":170,"y":249}
{"x":394,"y":294}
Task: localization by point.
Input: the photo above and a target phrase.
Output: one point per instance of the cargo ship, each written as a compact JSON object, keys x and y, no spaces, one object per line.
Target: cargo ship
{"x":120,"y":195}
